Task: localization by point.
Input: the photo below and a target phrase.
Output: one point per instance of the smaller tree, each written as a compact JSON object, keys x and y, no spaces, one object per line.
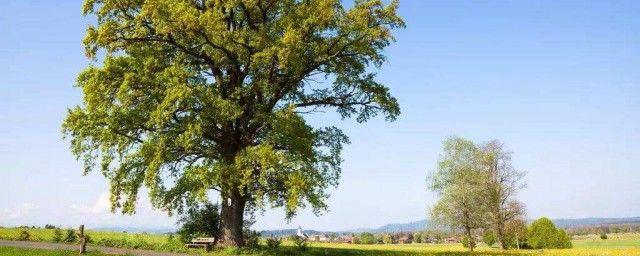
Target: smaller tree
{"x":489,"y":238}
{"x":57,"y":235}
{"x":387,"y":239}
{"x":367,"y":238}
{"x":71,"y":236}
{"x":543,"y":234}
{"x":603,"y":236}
{"x":563,"y":241}
{"x":469,"y":242}
{"x":516,"y":233}
{"x":200,"y":221}
{"x":458,"y":181}
{"x":417,"y":237}
{"x":356,"y":240}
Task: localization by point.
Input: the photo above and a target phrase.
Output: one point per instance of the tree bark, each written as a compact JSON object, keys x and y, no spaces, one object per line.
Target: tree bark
{"x":232,"y":214}
{"x":471,"y":242}
{"x":500,"y":232}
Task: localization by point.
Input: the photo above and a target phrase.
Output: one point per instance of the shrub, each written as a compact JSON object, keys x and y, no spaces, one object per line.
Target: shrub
{"x":468,"y":241}
{"x":24,"y":236}
{"x":367,"y":238}
{"x":603,"y":236}
{"x":563,"y":240}
{"x":57,"y":235}
{"x":200,"y":221}
{"x":71,"y":236}
{"x":544,"y":235}
{"x":417,"y":238}
{"x":516,"y":234}
{"x":489,"y":239}
{"x":356,"y":240}
{"x":88,"y":239}
{"x":273,"y":242}
{"x":251,"y":238}
{"x":301,"y":243}
{"x":387,"y":239}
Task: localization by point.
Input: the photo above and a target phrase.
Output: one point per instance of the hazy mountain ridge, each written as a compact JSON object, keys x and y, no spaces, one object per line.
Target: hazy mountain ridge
{"x":569,"y":223}
{"x":421,"y":225}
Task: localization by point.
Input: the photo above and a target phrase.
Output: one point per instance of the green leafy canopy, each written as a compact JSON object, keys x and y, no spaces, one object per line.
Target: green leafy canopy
{"x":199,"y":95}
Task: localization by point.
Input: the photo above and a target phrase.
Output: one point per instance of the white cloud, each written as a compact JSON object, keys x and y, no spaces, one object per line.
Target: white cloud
{"x":99,"y":214}
{"x":22,"y":211}
{"x":102,"y":205}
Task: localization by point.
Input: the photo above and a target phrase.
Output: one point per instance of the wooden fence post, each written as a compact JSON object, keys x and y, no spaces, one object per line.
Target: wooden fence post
{"x":83,"y":240}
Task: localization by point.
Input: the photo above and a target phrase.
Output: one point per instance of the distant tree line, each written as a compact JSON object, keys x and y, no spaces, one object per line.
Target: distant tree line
{"x":605,"y":228}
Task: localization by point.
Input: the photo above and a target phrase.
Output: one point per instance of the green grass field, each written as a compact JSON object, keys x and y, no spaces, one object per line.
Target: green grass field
{"x":14,"y":251}
{"x":622,"y":244}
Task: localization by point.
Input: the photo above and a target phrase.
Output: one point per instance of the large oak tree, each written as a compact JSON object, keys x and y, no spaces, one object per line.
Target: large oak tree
{"x":190,"y":96}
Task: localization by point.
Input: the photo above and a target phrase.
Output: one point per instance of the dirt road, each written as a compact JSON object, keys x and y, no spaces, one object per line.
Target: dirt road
{"x":108,"y":250}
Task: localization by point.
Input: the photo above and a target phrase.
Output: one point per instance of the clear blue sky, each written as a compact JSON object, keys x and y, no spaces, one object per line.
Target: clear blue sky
{"x":557,"y":81}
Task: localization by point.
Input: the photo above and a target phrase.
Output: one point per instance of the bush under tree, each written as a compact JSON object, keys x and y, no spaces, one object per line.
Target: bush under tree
{"x":489,"y":238}
{"x":200,"y":221}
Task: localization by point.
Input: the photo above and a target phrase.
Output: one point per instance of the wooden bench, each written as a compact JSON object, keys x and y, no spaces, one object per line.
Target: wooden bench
{"x":202,"y":242}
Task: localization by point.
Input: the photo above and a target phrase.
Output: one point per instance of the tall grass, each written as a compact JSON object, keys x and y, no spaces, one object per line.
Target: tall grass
{"x":15,"y":251}
{"x":157,"y":242}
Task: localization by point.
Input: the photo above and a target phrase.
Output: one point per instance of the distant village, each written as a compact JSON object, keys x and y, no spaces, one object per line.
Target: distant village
{"x":434,"y":237}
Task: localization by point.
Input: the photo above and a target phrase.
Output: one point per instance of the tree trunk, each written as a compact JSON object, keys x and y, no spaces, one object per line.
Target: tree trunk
{"x":500,"y":232}
{"x":232,"y":214}
{"x":470,"y":240}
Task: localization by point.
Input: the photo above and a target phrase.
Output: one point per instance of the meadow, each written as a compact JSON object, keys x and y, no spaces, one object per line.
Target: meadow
{"x":616,"y":244}
{"x":14,"y":251}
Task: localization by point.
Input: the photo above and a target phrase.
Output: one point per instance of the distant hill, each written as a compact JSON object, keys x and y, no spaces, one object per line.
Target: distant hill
{"x":137,"y":230}
{"x":569,"y":223}
{"x":411,"y":226}
{"x":423,"y":225}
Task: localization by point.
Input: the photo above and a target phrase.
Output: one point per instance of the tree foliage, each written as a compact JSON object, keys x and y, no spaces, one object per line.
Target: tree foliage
{"x":387,"y":239}
{"x":489,"y":238}
{"x":543,"y":234}
{"x":417,"y":237}
{"x":193,"y":96}
{"x":515,"y":234}
{"x":367,"y":238}
{"x":477,"y":186}
{"x":502,"y":184}
{"x":200,"y":221}
{"x":458,"y":181}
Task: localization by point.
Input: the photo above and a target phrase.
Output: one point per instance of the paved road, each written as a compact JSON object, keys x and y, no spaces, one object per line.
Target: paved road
{"x":109,"y":250}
